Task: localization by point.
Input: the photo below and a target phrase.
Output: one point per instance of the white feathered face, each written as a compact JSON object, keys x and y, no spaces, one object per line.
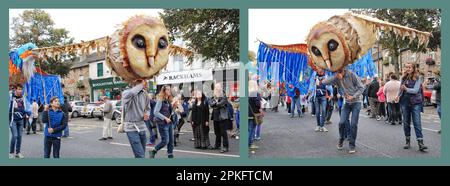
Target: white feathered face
{"x":326,"y":48}
{"x":147,"y":49}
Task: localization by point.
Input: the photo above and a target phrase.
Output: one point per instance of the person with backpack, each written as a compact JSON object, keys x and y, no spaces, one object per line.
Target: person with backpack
{"x":372,"y":90}
{"x":163,"y":117}
{"x":151,"y":124}
{"x":55,"y":121}
{"x":296,"y":102}
{"x":17,"y":114}
{"x":411,"y":103}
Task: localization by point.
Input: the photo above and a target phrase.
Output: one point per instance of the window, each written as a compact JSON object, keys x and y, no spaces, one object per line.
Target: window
{"x":99,"y":69}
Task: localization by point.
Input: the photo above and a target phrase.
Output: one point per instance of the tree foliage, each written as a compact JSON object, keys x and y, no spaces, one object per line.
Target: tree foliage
{"x":213,"y":33}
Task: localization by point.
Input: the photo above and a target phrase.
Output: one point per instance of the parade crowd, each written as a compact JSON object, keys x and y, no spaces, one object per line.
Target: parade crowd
{"x":162,"y":116}
{"x":394,"y":100}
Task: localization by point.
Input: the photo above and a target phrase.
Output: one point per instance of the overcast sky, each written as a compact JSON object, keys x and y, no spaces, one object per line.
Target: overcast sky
{"x":284,"y":26}
{"x":88,"y":24}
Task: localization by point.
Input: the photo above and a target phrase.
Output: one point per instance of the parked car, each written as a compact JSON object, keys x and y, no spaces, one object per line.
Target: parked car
{"x":77,"y":107}
{"x":98,"y":111}
{"x":117,"y":113}
{"x":88,"y":110}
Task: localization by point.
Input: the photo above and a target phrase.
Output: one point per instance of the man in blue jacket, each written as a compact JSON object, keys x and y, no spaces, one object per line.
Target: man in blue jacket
{"x":16,"y":121}
{"x":55,"y":120}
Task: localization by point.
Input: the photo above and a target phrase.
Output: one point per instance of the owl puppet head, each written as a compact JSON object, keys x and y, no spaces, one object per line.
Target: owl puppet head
{"x":139,"y":49}
{"x":342,"y":40}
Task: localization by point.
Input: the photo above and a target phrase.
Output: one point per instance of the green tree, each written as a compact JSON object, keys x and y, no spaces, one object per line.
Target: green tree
{"x":213,"y":33}
{"x":251,"y":55}
{"x":421,"y":19}
{"x":36,"y":26}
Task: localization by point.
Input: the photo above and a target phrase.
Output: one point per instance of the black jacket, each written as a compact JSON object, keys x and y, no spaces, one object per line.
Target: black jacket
{"x":373,"y":89}
{"x":254,"y":104}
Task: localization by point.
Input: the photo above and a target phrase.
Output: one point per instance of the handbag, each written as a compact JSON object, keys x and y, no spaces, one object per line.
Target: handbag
{"x":258,"y":117}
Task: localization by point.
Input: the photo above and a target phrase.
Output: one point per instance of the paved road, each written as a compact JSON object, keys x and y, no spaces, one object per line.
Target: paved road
{"x":285,"y":137}
{"x":83,"y":143}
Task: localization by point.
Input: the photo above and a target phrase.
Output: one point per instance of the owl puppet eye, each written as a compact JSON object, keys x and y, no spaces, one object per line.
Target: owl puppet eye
{"x":138,"y":41}
{"x":162,"y":43}
{"x":316,"y":51}
{"x":332,"y":45}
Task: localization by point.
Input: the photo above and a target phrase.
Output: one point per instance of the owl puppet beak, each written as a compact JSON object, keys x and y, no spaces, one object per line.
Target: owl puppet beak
{"x":328,"y":63}
{"x":151,"y":61}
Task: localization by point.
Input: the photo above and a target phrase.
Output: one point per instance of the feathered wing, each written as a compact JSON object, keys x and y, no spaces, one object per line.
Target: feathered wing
{"x":399,"y":30}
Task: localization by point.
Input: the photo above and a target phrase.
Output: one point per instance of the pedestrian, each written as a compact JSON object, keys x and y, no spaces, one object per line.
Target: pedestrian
{"x":254,"y":107}
{"x":437,"y":88}
{"x":411,"y":103}
{"x":288,"y":103}
{"x":296,"y":101}
{"x":381,"y":100}
{"x":320,"y":94}
{"x":372,"y":90}
{"x":55,"y":121}
{"x":220,"y":117}
{"x":392,"y":90}
{"x":107,"y":122}
{"x":66,"y":108}
{"x":34,"y":115}
{"x":135,"y":110}
{"x":200,"y":122}
{"x":163,"y":117}
{"x":150,"y":123}
{"x":352,"y":89}
{"x":16,"y":121}
{"x":40,"y":114}
{"x":176,"y":117}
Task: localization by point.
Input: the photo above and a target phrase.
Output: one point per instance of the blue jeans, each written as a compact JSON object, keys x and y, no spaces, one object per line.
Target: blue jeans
{"x":251,"y":131}
{"x":258,"y":132}
{"x":330,"y":108}
{"x":166,"y":132}
{"x":16,"y":136}
{"x":66,"y":131}
{"x":321,"y":110}
{"x":349,"y":128}
{"x":412,"y":111}
{"x":438,"y":109}
{"x":152,"y":137}
{"x":50,"y":142}
{"x":137,"y":142}
{"x":296,"y":102}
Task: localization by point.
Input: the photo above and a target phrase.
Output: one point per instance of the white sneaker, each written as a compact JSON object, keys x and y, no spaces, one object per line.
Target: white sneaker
{"x":12,"y":156}
{"x":317,"y":129}
{"x":323,"y":129}
{"x":19,"y":155}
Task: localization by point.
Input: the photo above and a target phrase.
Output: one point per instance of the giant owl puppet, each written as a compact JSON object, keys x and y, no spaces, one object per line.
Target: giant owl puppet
{"x":343,"y":39}
{"x":140,"y":49}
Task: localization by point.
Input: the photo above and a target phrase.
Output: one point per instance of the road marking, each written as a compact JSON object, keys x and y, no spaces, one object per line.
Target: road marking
{"x":372,"y":148}
{"x":184,"y":151}
{"x":432,"y":130}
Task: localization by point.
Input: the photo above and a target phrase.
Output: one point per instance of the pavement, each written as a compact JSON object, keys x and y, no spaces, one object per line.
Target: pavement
{"x":285,"y":137}
{"x":83,"y":143}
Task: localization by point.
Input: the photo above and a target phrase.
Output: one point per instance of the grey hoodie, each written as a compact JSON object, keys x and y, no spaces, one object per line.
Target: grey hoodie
{"x":350,"y":83}
{"x":135,"y":103}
